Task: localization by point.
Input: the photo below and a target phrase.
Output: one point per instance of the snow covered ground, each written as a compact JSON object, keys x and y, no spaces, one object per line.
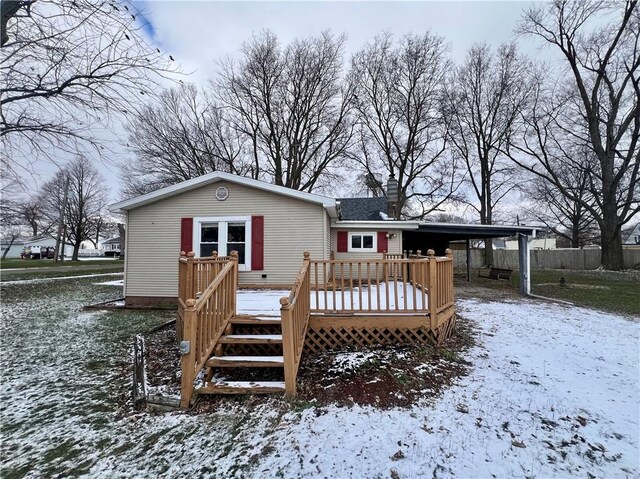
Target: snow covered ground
{"x":553,"y":392}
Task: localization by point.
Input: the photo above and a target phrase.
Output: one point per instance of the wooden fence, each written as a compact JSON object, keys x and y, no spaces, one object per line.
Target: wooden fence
{"x":205,"y":316}
{"x":294,"y":313}
{"x":578,"y":259}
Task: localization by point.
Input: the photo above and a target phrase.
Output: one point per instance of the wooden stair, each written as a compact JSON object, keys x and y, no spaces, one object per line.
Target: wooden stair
{"x":240,"y":364}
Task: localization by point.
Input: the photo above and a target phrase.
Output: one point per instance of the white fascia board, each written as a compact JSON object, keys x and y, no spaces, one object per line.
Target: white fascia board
{"x":377,"y":225}
{"x":126,"y":205}
{"x":474,"y":225}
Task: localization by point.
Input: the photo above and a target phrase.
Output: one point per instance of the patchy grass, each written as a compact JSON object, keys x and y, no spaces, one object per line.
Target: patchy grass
{"x":62,"y":369}
{"x":613,"y":291}
{"x":10,"y":263}
{"x":604,"y":290}
{"x":94,"y":267}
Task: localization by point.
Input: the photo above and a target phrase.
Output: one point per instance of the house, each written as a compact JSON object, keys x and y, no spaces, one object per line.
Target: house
{"x":536,"y":244}
{"x":15,"y":247}
{"x":112,"y":247}
{"x":270,"y":226}
{"x":355,"y":275}
{"x":633,"y":240}
{"x":36,"y":244}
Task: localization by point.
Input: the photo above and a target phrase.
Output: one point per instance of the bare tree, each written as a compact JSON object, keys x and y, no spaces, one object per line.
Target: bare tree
{"x":182,"y":136}
{"x":86,"y":198}
{"x":597,"y":107}
{"x":483,"y":100}
{"x":33,"y":216}
{"x":564,"y":216}
{"x":400,"y":129}
{"x":290,"y":105}
{"x":10,"y":220}
{"x":102,"y":225}
{"x":68,"y":65}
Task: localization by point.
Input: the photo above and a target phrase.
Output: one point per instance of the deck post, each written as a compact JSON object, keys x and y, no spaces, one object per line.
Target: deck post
{"x":234,"y":281}
{"x":190,"y":277}
{"x":433,"y":289}
{"x":450,"y":287}
{"x":188,"y":360}
{"x":288,"y":348}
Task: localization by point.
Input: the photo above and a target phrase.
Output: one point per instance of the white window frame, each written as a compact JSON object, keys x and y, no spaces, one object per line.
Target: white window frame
{"x":223,"y":222}
{"x":373,"y":249}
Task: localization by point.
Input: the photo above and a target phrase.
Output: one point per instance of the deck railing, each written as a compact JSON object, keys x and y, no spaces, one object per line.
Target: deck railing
{"x":195,"y":274}
{"x":394,"y":284}
{"x":366,"y":286}
{"x":205,"y":315}
{"x":294,"y":313}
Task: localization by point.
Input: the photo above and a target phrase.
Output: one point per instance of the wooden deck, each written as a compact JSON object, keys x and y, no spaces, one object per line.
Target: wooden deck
{"x":332,"y":304}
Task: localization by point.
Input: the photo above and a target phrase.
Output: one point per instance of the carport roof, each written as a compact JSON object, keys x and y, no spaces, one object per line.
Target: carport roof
{"x":470,"y":231}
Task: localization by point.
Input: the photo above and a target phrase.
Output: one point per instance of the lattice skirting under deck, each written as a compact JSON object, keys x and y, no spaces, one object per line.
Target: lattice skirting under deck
{"x":325,"y":338}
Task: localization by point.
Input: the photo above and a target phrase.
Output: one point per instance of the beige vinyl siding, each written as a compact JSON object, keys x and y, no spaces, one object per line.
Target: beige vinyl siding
{"x":327,"y":236}
{"x":291,"y":226}
{"x":395,"y":244}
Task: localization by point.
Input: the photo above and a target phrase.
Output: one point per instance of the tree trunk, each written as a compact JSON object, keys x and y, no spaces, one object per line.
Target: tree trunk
{"x":6,"y":252}
{"x":575,"y":235}
{"x":612,"y":253}
{"x":76,"y":249}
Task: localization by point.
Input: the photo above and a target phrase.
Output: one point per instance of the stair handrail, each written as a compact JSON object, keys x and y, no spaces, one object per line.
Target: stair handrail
{"x":205,"y":320}
{"x":295,"y":311}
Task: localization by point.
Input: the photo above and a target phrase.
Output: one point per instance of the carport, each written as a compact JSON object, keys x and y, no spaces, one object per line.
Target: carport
{"x":437,"y":236}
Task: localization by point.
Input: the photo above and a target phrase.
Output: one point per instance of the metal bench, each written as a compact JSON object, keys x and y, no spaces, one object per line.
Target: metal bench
{"x":497,"y":273}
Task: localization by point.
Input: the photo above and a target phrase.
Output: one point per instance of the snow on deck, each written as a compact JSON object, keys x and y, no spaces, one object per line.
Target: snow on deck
{"x":260,"y":302}
{"x":267,"y":302}
{"x":373,"y":297}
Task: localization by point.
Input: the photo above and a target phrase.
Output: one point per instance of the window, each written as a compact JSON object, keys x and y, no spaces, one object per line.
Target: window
{"x":224,"y":235}
{"x":362,"y":242}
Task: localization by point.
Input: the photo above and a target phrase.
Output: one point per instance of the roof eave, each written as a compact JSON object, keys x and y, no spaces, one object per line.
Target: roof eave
{"x":122,"y":207}
{"x":394,"y":224}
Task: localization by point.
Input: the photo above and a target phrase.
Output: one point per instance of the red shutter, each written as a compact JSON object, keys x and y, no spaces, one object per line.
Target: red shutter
{"x":383,"y":242}
{"x":257,"y":243}
{"x":186,"y":235}
{"x":343,"y":242}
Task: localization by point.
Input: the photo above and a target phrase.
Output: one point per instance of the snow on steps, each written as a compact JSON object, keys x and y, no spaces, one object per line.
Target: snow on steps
{"x":250,"y":361}
{"x":243,"y":387}
{"x":251,"y":339}
{"x":256,"y":320}
{"x":246,"y":361}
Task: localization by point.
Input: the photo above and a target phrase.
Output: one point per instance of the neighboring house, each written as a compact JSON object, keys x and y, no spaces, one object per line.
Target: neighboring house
{"x":15,"y":248}
{"x":270,"y":226}
{"x":538,"y":243}
{"x":112,"y":247}
{"x":633,"y":239}
{"x":37,"y":243}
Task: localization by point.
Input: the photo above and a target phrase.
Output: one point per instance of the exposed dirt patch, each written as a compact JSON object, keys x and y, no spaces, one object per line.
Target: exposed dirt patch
{"x":163,"y":361}
{"x":384,"y":377}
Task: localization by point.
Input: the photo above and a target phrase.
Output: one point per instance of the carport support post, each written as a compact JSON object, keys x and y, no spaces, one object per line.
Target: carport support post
{"x":468,"y":261}
{"x":525,"y":264}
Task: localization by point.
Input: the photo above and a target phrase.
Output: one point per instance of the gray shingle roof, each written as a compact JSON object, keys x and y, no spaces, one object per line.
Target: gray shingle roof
{"x":363,"y":209}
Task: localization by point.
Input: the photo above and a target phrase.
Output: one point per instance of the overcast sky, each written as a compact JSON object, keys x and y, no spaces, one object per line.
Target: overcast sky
{"x":198,"y":34}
